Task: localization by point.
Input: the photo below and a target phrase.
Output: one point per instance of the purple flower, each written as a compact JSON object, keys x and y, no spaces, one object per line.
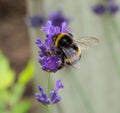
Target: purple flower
{"x":109,"y":6}
{"x":42,"y":97}
{"x":49,"y":28}
{"x":54,"y":97}
{"x":58,"y":18}
{"x":112,"y":7}
{"x":49,"y":59}
{"x":36,"y":21}
{"x":99,"y":9}
{"x":51,"y":63}
{"x":59,"y":85}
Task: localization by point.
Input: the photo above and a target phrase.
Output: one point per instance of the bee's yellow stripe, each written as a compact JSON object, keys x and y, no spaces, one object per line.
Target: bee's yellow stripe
{"x":58,"y":39}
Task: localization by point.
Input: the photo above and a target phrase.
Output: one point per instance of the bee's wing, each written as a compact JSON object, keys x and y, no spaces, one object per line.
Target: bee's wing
{"x":69,"y":52}
{"x":86,"y":42}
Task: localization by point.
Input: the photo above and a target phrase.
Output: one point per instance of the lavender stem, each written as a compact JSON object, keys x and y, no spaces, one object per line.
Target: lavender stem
{"x":48,"y":107}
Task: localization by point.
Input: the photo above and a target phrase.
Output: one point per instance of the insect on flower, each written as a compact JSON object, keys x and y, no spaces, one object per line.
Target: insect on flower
{"x":61,"y":47}
{"x":70,"y":47}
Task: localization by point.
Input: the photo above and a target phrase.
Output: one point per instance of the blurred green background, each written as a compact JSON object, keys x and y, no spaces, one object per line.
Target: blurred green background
{"x":93,"y":88}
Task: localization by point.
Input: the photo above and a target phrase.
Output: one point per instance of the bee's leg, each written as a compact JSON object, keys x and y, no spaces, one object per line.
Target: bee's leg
{"x":63,"y":60}
{"x":70,"y":34}
{"x":63,"y":63}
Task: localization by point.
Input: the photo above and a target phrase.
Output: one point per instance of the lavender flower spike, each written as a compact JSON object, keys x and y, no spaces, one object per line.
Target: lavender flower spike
{"x":42,"y":97}
{"x":59,"y":85}
{"x":54,"y":97}
{"x":108,"y":6}
{"x":58,"y":18}
{"x":49,"y":59}
{"x":57,"y":99}
{"x":112,"y":7}
{"x":99,"y":9}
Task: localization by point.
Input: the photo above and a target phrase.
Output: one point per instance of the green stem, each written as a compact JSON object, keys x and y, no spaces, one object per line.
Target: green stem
{"x":48,"y":109}
{"x":111,"y":46}
{"x":48,"y":92}
{"x":48,"y":85}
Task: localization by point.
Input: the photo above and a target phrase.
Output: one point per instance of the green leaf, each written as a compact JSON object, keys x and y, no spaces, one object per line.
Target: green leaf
{"x":16,"y":93}
{"x":26,"y":75}
{"x":4,"y":95}
{"x":7,"y":75}
{"x":22,"y":107}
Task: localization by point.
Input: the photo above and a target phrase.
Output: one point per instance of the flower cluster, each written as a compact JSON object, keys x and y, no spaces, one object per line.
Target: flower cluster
{"x":49,"y":60}
{"x":108,"y":6}
{"x":54,"y":97}
{"x":56,"y":17}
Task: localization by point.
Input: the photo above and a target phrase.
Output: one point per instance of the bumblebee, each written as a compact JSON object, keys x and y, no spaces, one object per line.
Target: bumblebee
{"x":70,"y":47}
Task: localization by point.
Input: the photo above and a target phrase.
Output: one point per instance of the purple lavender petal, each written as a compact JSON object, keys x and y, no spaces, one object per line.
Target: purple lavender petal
{"x":38,"y":41}
{"x":44,"y":28}
{"x":41,"y":54}
{"x":49,"y":41}
{"x":47,"y":101}
{"x":53,"y":95}
{"x":64,"y":28}
{"x":57,"y":30}
{"x":40,"y":44}
{"x":57,"y":18}
{"x":42,"y":92}
{"x":51,"y":63}
{"x":112,"y":7}
{"x":45,"y":69}
{"x":59,"y":85}
{"x":42,"y":60}
{"x":42,"y":47}
{"x":99,"y":9}
{"x":37,"y":94}
{"x":49,"y":23}
{"x":49,"y":28}
{"x":56,"y":100}
{"x":39,"y":98}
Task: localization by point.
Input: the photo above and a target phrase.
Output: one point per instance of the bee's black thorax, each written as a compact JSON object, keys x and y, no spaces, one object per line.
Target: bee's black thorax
{"x":66,"y":41}
{"x":63,"y":40}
